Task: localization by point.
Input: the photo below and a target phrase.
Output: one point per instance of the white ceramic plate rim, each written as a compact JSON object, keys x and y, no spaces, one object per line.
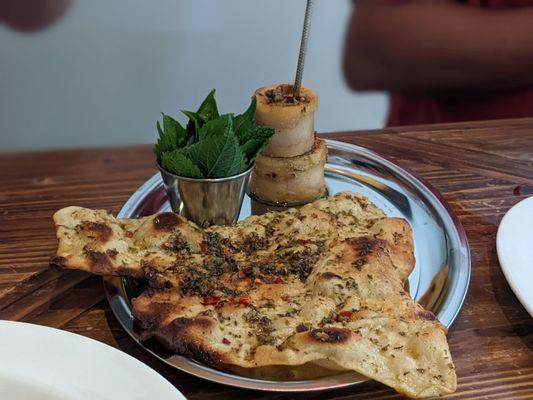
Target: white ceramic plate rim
{"x":510,"y":244}
{"x":72,"y":366}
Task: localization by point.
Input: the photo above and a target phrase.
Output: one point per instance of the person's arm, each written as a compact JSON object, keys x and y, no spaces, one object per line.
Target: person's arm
{"x":437,"y":47}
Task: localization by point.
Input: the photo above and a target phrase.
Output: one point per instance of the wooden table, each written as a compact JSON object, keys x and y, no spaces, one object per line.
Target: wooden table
{"x":482,"y":169}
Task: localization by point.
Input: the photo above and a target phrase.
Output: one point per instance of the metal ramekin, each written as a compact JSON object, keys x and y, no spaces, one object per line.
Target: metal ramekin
{"x":206,"y":201}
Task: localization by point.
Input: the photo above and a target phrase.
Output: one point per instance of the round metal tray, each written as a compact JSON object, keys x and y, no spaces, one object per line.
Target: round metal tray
{"x":439,"y":280}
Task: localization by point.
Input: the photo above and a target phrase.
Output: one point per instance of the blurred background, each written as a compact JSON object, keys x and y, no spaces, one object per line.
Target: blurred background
{"x":99,"y":72}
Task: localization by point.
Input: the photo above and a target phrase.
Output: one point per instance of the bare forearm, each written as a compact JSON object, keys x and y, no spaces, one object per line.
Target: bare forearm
{"x":438,"y":47}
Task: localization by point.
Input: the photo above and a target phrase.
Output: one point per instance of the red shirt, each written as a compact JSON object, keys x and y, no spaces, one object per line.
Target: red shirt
{"x":411,"y":110}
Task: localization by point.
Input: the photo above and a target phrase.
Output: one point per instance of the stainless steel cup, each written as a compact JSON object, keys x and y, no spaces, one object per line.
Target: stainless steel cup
{"x":206,"y":201}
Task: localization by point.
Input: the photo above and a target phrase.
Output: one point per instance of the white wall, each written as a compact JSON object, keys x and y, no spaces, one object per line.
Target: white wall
{"x":102,"y":74}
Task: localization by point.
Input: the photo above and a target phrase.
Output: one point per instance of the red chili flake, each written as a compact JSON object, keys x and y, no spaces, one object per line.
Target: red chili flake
{"x":279,"y":279}
{"x":245,"y":299}
{"x":332,"y":245}
{"x":129,"y":234}
{"x":210,"y":300}
{"x":344,"y":315}
{"x":285,"y":297}
{"x":226,"y":341}
{"x":304,"y":241}
{"x":241,"y":274}
{"x":203,"y":247}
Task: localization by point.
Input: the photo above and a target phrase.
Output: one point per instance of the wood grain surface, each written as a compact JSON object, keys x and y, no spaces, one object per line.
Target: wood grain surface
{"x":481,"y":168}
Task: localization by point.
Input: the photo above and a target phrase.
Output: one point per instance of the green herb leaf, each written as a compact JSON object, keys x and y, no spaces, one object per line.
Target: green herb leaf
{"x":168,"y":137}
{"x":244,"y":123}
{"x":208,"y":109}
{"x":170,"y":125}
{"x":164,"y":143}
{"x":251,"y":148}
{"x":263,"y":132}
{"x":258,"y":139}
{"x":253,"y":138}
{"x":159,"y":129}
{"x":222,"y":125}
{"x":194,"y":125}
{"x":218,"y":156}
{"x":173,"y":127}
{"x":171,"y":137}
{"x":191,"y":141}
{"x":179,"y":164}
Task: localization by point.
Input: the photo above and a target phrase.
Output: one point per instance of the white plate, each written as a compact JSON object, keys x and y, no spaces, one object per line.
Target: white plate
{"x":514,"y":243}
{"x":42,"y":363}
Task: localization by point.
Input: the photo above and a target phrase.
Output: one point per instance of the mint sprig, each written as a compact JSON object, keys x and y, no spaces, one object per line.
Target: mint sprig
{"x":211,"y":145}
{"x":180,"y":164}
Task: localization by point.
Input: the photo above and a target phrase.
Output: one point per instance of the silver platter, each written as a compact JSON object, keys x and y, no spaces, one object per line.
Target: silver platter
{"x":439,"y":281}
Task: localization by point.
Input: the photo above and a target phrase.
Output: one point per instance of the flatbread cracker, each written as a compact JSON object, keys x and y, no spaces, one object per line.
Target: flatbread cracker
{"x":319,"y":284}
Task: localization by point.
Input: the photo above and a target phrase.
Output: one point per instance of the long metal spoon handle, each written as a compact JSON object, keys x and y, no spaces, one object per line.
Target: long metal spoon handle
{"x":303,"y":49}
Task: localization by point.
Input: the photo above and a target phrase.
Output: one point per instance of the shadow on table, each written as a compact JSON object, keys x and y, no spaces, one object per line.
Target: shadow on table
{"x":520,"y":320}
{"x":484,"y":254}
